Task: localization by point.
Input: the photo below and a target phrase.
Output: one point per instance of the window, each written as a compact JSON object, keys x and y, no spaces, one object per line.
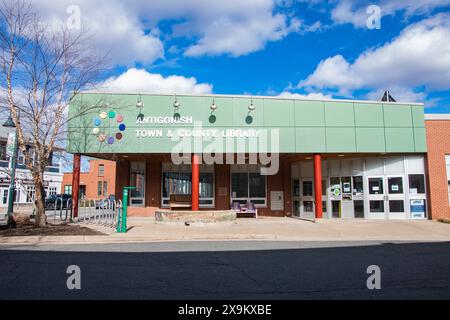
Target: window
{"x":99,"y":188}
{"x":395,"y":185}
{"x":376,"y":186}
{"x":178,"y":180}
{"x":3,"y":150}
{"x":416,"y":184}
{"x":101,"y":170}
{"x":68,"y":189}
{"x":105,"y":188}
{"x":358,"y":185}
{"x":31,"y":191}
{"x":248,"y":185}
{"x":137,"y":180}
{"x":447,"y":162}
{"x":307,"y":188}
{"x":51,"y":190}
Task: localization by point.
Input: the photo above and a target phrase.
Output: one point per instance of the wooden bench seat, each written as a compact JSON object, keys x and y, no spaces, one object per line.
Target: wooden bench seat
{"x":180,"y":201}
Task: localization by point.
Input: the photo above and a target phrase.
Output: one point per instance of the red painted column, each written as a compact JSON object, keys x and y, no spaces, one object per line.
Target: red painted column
{"x":76,"y":183}
{"x":195,"y":181}
{"x":318,"y":185}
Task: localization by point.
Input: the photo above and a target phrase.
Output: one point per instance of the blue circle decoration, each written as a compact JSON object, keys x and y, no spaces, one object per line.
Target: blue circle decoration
{"x":97,"y":122}
{"x":122,"y":127}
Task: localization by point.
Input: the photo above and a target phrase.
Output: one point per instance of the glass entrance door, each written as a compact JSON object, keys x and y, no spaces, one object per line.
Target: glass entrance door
{"x":307,"y":199}
{"x":386,"y":197}
{"x":395,"y":197}
{"x":376,"y":197}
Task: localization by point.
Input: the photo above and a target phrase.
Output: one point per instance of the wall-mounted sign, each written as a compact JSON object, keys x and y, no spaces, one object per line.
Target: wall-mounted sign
{"x":276,"y":200}
{"x":417,"y":209}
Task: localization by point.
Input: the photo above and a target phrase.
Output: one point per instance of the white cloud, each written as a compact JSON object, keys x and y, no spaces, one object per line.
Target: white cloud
{"x":418,"y":57}
{"x":354,"y":12}
{"x":128,"y":30}
{"x":113,"y":26}
{"x":141,"y":81}
{"x":311,"y":95}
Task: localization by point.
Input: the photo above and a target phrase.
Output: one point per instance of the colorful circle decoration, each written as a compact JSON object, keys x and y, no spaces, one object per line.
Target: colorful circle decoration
{"x":102,"y":137}
{"x":108,"y":137}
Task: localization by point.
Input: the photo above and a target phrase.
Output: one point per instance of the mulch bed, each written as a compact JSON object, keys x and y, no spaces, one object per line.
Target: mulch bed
{"x":49,"y":230}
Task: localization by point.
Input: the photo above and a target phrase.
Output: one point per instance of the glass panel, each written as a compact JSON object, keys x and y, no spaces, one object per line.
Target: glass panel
{"x":206,"y":185}
{"x":416,"y":184}
{"x":307,"y":188}
{"x":324,"y":187}
{"x":396,"y":206}
{"x":376,"y":185}
{"x":137,"y":180}
{"x":336,"y":209}
{"x":395,"y":185}
{"x":257,"y":185}
{"x":358,"y":185}
{"x":308,"y":206}
{"x":324,"y":206}
{"x":296,"y":188}
{"x":239,"y":185}
{"x":335,"y":184}
{"x":346,"y":185}
{"x":376,"y":206}
{"x":359,"y":208}
{"x":296,"y":208}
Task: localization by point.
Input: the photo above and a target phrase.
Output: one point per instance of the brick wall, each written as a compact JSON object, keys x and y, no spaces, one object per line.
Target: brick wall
{"x":90,"y":179}
{"x":438,"y":142}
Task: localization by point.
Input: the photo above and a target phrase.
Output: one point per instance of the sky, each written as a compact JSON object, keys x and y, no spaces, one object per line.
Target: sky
{"x":318,"y":49}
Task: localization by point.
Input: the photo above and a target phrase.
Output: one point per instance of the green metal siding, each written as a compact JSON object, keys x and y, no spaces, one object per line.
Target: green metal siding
{"x":303,"y":126}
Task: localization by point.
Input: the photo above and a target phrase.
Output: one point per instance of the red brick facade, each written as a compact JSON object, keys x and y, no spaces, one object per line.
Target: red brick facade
{"x":89,"y":181}
{"x":438,"y":142}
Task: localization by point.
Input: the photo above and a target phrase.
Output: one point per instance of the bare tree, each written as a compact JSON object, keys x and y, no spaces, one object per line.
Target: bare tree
{"x":41,"y":68}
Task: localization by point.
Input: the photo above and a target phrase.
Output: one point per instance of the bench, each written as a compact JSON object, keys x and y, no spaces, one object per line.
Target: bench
{"x":180,"y":201}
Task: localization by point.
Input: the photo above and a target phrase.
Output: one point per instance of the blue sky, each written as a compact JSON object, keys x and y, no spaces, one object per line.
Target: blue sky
{"x":272,"y":47}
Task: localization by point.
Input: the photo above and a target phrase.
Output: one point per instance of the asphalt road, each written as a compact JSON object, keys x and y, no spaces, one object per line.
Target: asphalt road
{"x":227,"y":270}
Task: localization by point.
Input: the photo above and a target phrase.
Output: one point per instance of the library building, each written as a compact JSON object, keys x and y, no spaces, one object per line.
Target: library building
{"x":285,"y":157}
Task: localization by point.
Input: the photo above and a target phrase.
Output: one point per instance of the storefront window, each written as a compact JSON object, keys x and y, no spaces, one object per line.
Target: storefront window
{"x":180,"y":183}
{"x":307,"y":188}
{"x":137,"y":180}
{"x":416,"y":184}
{"x":248,"y":185}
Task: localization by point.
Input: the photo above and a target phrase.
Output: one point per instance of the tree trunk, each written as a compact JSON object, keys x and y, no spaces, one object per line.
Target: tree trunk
{"x":41,"y":218}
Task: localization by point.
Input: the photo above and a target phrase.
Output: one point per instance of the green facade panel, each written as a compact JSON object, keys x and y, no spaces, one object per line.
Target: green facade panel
{"x":339,"y":114}
{"x":341,"y":139}
{"x":399,"y":140}
{"x":300,"y":126}
{"x":368,"y":115}
{"x":370,"y":140}
{"x":310,"y":139}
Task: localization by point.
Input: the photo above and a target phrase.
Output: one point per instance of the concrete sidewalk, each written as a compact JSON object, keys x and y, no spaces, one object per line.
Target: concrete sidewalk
{"x":285,"y":229}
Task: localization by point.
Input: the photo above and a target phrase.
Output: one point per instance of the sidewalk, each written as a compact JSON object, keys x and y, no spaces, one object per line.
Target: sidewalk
{"x":285,"y":229}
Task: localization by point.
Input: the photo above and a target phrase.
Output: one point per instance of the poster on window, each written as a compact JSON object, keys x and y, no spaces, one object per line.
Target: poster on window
{"x":417,"y":209}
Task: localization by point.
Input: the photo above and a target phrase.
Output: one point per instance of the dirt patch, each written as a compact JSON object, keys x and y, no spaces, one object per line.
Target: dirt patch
{"x":49,"y":230}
